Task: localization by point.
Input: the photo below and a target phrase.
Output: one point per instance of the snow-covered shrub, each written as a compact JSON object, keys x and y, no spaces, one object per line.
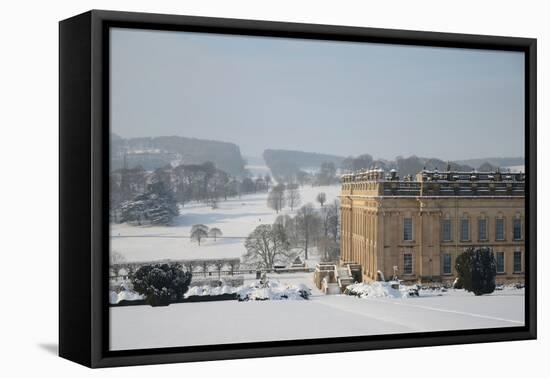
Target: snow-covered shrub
{"x":124,"y":295}
{"x":255,"y":291}
{"x":161,"y":284}
{"x":113,"y":297}
{"x":207,"y":290}
{"x":379,"y":289}
{"x":272,"y":290}
{"x":124,"y":292}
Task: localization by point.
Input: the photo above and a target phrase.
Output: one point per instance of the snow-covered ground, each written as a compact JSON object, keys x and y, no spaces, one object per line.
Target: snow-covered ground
{"x":221,"y":322}
{"x":236,"y":218}
{"x":321,"y":316}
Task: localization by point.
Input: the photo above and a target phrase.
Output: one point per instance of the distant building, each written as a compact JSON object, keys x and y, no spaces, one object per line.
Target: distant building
{"x":416,"y":227}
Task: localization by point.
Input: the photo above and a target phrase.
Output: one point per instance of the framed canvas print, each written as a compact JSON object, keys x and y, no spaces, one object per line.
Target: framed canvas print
{"x":235,"y":188}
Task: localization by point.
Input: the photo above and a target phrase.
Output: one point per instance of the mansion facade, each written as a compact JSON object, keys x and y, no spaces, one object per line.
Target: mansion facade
{"x":414,"y":228}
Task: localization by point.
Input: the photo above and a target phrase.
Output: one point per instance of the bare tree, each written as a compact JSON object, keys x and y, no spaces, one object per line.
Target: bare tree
{"x":205,"y":264}
{"x":328,"y":249}
{"x":198,"y":232}
{"x":326,"y":175}
{"x":260,"y":184}
{"x":116,"y":258}
{"x":233,"y":265}
{"x":333,"y":220}
{"x":214,"y":232}
{"x":276,"y":198}
{"x":303,"y":177}
{"x":321,"y":198}
{"x":266,"y":246}
{"x":219,"y":264}
{"x":293,"y":196}
{"x":190,"y":265}
{"x":288,"y":224}
{"x":307,"y":223}
{"x":267,"y":180}
{"x":213,"y":202}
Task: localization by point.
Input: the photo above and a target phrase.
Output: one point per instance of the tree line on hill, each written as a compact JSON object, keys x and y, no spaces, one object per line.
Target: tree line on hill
{"x":326,"y":174}
{"x":138,"y":196}
{"x":494,"y":161}
{"x":156,"y":152}
{"x":300,"y":167}
{"x":408,"y":166}
{"x":281,"y":196}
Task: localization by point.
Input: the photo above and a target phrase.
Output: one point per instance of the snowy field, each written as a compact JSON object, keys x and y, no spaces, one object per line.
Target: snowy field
{"x":188,"y":324}
{"x":223,"y":322}
{"x":236,"y":218}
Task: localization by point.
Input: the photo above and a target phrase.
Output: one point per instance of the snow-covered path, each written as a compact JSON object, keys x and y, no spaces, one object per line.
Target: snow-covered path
{"x":322,"y":316}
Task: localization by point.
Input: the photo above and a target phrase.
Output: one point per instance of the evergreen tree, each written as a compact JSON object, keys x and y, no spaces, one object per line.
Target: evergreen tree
{"x":476,"y":268}
{"x":133,"y":211}
{"x":157,"y":205}
{"x":161,"y":284}
{"x":162,"y":206}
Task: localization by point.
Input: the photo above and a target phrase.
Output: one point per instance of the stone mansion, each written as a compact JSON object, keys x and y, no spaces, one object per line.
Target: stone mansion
{"x":416,"y":227}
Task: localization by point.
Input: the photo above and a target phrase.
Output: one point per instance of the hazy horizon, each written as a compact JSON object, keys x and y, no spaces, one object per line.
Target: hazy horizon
{"x":338,"y":98}
{"x":244,"y":155}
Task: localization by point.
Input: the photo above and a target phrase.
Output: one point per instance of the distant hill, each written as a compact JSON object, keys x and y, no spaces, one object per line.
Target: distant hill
{"x":300,"y":158}
{"x":288,"y":162}
{"x":152,"y":153}
{"x":495,"y":161}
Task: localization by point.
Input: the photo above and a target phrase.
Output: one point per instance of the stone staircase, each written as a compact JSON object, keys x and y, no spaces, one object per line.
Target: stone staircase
{"x":343,"y":277}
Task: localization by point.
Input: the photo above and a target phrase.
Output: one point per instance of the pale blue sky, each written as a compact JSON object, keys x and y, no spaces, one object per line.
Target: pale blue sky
{"x":332,"y":97}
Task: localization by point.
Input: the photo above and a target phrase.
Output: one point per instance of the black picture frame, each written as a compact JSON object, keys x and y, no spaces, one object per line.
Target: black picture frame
{"x":83,"y":180}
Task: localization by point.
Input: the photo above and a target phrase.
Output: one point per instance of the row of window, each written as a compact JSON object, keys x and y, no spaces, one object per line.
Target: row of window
{"x":483,"y":235}
{"x":447,"y":263}
{"x":500,"y":262}
{"x":500,"y":229}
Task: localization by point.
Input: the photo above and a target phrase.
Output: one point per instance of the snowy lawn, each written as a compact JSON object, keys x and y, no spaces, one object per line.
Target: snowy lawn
{"x":321,"y":316}
{"x":203,"y":323}
{"x":236,"y":218}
